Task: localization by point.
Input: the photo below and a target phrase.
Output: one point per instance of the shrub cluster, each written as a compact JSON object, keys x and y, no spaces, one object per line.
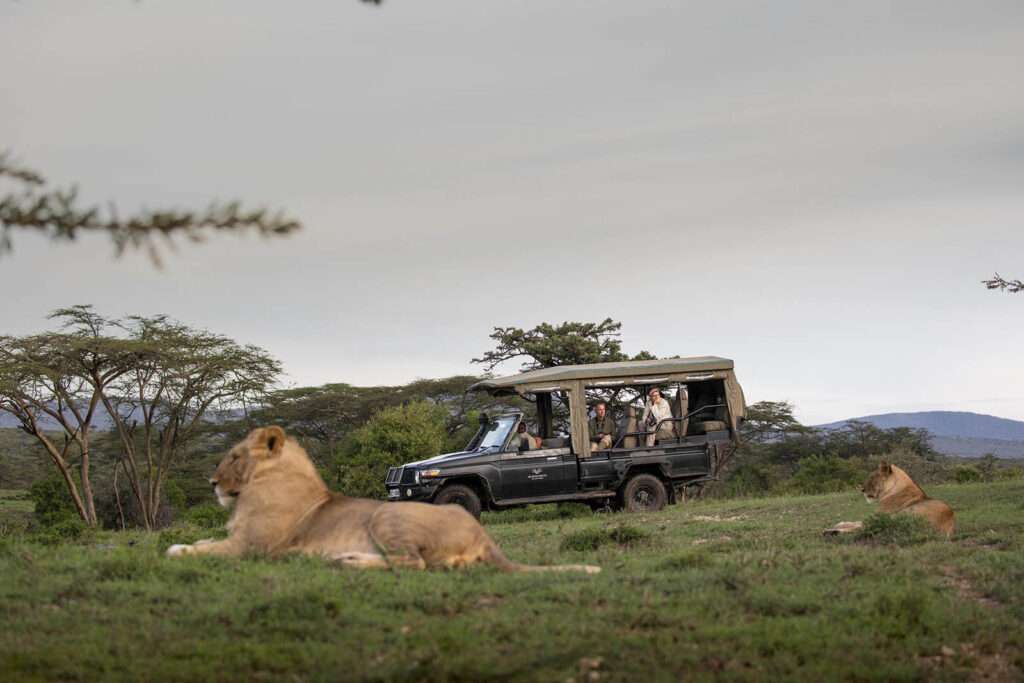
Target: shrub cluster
{"x":591,"y":539}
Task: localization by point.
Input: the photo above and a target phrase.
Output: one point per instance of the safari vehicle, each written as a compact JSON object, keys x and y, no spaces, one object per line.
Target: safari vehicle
{"x":646,"y":467}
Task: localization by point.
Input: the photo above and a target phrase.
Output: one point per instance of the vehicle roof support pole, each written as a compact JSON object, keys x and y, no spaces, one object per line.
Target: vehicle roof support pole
{"x":578,"y":419}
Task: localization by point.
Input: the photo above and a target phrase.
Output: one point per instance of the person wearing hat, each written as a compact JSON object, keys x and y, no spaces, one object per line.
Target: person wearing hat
{"x":656,"y":410}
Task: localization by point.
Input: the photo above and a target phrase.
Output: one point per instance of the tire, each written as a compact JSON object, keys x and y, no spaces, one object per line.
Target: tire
{"x":460,"y":494}
{"x":643,"y":493}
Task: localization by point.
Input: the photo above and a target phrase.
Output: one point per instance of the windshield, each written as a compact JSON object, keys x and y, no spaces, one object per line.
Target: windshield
{"x":497,"y":432}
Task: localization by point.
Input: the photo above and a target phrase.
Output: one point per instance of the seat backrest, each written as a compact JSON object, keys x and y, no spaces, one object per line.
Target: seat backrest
{"x":630,"y":426}
{"x":680,"y":407}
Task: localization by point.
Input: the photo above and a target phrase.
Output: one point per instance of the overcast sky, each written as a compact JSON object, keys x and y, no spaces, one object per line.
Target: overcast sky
{"x":812,"y":189}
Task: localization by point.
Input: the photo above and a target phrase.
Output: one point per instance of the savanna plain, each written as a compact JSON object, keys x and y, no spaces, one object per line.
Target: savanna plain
{"x":745,"y":590}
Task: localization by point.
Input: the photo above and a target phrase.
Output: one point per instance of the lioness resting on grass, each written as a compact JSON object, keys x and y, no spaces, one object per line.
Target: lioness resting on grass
{"x":283,"y":506}
{"x":895,"y":491}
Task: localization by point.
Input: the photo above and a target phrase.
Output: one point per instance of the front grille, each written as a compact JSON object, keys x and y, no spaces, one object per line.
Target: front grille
{"x":394,"y":475}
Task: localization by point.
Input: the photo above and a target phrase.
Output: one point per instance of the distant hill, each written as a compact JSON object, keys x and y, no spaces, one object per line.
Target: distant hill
{"x":101,"y":420}
{"x":962,"y":434}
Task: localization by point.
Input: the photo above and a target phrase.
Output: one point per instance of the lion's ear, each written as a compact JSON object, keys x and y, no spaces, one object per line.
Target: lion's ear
{"x":885,"y":468}
{"x":271,"y":438}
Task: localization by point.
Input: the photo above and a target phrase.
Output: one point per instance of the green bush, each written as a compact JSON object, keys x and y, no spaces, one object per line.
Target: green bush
{"x":53,"y":503}
{"x":826,"y":474}
{"x":174,"y":495}
{"x":66,"y":530}
{"x":1010,"y":473}
{"x":966,"y":474}
{"x":392,"y":437}
{"x":886,"y":529}
{"x":749,"y":479}
{"x":592,"y":539}
{"x":208,"y":516}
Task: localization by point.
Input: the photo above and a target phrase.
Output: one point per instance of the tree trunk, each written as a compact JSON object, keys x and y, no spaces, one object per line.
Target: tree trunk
{"x":89,"y":506}
{"x":117,"y":496}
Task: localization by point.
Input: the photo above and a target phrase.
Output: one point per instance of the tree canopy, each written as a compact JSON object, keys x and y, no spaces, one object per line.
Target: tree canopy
{"x":547,"y":345}
{"x":155,"y":378}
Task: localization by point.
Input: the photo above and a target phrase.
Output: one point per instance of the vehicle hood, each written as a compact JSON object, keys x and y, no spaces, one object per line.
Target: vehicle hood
{"x":445,"y":459}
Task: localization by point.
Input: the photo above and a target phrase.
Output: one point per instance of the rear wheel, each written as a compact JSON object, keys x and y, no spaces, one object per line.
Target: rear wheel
{"x":644,"y":493}
{"x":460,"y":494}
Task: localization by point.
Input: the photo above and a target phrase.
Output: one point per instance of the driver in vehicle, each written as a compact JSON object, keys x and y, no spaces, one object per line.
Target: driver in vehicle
{"x":524,"y":440}
{"x":602,"y":428}
{"x":656,"y":410}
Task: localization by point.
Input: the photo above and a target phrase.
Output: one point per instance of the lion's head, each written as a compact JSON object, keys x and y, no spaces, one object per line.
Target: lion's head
{"x":236,"y":470}
{"x":879,"y":481}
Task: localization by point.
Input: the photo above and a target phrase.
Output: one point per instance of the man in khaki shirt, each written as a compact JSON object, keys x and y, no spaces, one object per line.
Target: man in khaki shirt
{"x":602,"y":428}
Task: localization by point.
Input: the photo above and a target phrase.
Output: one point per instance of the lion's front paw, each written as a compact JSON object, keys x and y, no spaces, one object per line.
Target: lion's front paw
{"x":844,"y":528}
{"x":178,"y":549}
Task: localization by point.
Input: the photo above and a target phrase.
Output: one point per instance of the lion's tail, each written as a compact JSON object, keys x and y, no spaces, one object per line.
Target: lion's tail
{"x":499,"y":560}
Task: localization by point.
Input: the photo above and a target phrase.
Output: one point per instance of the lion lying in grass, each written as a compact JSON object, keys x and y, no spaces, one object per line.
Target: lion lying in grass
{"x":896,"y":492}
{"x":283,"y":506}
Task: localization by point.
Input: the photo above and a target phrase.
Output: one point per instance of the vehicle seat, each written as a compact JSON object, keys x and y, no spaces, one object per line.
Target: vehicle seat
{"x":629,"y":425}
{"x":555,"y":442}
{"x":707,"y":426}
{"x":680,"y":407}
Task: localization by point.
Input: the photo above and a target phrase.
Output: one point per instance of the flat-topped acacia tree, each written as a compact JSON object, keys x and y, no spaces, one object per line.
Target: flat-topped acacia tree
{"x":156,"y":378}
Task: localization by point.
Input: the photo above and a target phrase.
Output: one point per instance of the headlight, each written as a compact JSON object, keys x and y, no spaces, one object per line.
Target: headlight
{"x":430,"y":473}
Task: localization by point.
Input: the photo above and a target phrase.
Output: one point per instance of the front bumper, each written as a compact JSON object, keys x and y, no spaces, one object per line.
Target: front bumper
{"x":420,"y":492}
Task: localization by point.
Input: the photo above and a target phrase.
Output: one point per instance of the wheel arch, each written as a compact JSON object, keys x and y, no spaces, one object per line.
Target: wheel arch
{"x":659,"y":470}
{"x":473,"y":481}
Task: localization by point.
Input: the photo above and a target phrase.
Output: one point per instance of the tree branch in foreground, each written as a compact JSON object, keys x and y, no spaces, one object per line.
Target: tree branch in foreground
{"x":57,"y":213}
{"x":997,"y":282}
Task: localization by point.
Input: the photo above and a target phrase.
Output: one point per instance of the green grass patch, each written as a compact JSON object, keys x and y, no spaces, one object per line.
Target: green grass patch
{"x":738,"y":590}
{"x":591,"y":539}
{"x":902,"y":530}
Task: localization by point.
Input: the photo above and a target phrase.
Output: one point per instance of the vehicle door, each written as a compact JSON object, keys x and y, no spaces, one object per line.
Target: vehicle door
{"x":533,"y":474}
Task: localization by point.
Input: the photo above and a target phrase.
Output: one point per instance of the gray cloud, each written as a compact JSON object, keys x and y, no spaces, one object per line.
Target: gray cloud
{"x":812,"y":189}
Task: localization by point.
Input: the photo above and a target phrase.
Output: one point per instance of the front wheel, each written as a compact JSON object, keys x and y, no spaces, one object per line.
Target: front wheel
{"x":644,"y":493}
{"x":460,"y":494}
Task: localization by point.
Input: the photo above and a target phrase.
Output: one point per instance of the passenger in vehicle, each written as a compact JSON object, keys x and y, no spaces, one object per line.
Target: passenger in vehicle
{"x":602,"y":428}
{"x":523,"y":440}
{"x":656,"y":410}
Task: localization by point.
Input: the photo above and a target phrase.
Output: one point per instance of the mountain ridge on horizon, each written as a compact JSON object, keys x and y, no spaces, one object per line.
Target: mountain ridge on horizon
{"x":957,"y":433}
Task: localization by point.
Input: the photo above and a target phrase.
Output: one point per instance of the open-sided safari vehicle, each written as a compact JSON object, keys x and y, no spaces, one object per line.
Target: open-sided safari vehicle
{"x":644,"y":465}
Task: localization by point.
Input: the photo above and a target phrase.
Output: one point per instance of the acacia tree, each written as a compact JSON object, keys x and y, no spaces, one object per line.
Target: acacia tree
{"x":52,"y":383}
{"x":178,"y":377}
{"x":156,"y":379}
{"x":547,"y":345}
{"x":769,"y":421}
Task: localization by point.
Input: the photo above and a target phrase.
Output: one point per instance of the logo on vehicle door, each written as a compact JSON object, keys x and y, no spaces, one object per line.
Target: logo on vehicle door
{"x":537,"y":473}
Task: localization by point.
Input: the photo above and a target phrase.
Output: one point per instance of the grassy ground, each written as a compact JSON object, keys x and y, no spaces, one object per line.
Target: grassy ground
{"x":729,"y":590}
{"x":15,"y":510}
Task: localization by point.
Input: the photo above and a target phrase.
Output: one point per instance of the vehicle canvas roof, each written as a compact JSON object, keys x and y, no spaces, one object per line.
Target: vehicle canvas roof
{"x":636,"y":369}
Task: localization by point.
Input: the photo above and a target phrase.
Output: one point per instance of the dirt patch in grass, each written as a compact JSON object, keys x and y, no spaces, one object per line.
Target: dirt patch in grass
{"x":978,"y":666}
{"x":717,"y":518}
{"x":965,"y":589}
